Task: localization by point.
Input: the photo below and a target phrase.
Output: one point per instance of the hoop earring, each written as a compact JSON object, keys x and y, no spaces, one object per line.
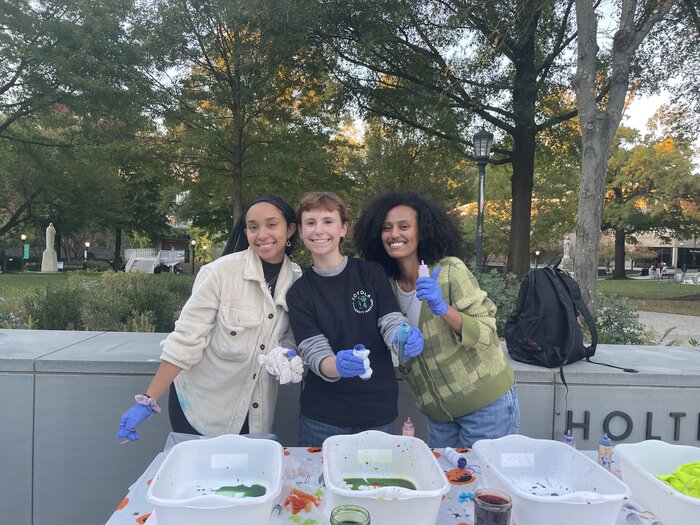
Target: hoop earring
{"x":289,"y":243}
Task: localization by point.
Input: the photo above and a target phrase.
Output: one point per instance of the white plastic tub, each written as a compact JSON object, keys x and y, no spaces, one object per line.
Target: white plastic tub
{"x":183,"y":491}
{"x":640,"y":463}
{"x":550,"y":483}
{"x":374,"y":454}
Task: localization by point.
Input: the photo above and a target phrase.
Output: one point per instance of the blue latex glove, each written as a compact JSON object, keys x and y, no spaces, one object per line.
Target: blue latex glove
{"x":428,"y":289}
{"x":132,"y":418}
{"x":414,"y":343}
{"x":348,"y":364}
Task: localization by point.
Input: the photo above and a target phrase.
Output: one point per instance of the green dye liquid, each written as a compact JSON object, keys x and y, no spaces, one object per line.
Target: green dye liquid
{"x":242,"y":491}
{"x":356,"y":483}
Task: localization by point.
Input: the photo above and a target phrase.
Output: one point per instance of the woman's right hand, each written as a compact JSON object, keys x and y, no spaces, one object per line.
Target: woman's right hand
{"x":348,"y":364}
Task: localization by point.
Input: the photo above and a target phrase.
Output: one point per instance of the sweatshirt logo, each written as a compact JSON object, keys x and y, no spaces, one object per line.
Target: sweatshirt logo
{"x":362,"y":302}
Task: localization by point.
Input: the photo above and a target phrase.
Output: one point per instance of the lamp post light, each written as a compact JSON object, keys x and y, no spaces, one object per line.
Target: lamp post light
{"x":192,"y":243}
{"x":204,"y":254}
{"x":87,"y":245}
{"x":537,"y":258}
{"x":482,"y":150}
{"x":23,"y":237}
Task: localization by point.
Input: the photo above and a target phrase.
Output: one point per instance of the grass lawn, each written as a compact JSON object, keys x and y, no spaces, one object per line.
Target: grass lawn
{"x":651,"y":296}
{"x":19,"y":285}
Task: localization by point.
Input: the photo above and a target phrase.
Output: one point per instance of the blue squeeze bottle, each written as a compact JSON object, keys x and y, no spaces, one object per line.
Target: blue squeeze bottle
{"x":569,"y":439}
{"x":403,"y":332}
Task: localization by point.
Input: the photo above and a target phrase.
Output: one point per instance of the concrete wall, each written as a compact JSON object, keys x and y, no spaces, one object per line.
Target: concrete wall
{"x":64,"y":392}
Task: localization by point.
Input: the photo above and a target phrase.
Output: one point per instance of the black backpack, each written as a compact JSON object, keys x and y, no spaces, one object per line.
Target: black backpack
{"x":544,"y":329}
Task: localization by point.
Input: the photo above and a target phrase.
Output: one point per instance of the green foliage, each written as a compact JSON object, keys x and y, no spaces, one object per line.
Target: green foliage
{"x":115,"y":302}
{"x":502,"y":289}
{"x":617,"y":322}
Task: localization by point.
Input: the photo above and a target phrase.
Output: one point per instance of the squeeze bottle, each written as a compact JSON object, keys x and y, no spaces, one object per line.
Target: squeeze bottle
{"x":454,"y":457}
{"x":362,"y":352}
{"x":408,"y":428}
{"x":402,"y":333}
{"x":423,"y":270}
{"x":569,"y":439}
{"x":605,"y":452}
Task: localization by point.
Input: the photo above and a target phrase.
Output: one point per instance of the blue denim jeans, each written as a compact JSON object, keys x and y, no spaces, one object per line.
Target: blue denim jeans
{"x":312,"y":433}
{"x":500,"y":418}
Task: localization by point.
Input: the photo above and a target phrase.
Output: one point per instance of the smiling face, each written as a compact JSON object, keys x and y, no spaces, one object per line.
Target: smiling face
{"x":321,"y":231}
{"x":267,"y":231}
{"x":400,"y":232}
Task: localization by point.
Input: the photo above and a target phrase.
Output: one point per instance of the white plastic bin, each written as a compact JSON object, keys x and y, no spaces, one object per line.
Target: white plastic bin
{"x":375,"y":454}
{"x":640,"y":463}
{"x":183,"y":491}
{"x":550,"y":482}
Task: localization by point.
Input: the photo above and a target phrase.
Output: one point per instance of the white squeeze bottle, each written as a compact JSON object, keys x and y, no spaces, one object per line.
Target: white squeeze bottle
{"x":605,"y":452}
{"x":423,"y":270}
{"x":363,"y":353}
{"x":408,"y":428}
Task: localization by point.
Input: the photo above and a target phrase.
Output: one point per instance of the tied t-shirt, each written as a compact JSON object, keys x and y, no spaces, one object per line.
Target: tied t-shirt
{"x":345,"y":308}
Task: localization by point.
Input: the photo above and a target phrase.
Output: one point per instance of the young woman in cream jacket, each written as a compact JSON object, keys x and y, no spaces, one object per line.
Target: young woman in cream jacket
{"x":237,"y":313}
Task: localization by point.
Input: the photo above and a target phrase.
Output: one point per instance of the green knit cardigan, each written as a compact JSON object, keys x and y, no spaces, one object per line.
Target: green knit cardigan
{"x":457,"y":374}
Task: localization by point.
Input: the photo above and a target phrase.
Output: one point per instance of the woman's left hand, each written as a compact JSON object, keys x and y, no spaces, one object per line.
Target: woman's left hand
{"x":428,"y":289}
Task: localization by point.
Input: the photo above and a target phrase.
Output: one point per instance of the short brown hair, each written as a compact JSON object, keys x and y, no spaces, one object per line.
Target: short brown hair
{"x":324,"y":200}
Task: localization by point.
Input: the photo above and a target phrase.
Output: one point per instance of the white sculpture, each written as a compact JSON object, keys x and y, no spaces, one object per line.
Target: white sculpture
{"x":567,"y":247}
{"x":49,"y":260}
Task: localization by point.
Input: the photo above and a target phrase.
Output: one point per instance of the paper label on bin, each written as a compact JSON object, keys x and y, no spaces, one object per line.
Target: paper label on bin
{"x":521,"y":459}
{"x":220,"y":461}
{"x":374,"y":455}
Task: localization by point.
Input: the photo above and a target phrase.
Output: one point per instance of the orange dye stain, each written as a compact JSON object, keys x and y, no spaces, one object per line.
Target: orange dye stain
{"x":301,"y":501}
{"x":463,"y":450}
{"x":142,"y":519}
{"x":314,"y":449}
{"x":149,"y":481}
{"x":286,"y":452}
{"x":123,"y":504}
{"x":436,"y":454}
{"x":458,"y":476}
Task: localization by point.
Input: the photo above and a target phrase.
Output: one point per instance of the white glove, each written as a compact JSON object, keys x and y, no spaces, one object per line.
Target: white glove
{"x":283,"y":364}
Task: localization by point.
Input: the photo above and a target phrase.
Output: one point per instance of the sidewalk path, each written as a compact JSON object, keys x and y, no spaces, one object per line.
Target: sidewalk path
{"x":684,"y":327}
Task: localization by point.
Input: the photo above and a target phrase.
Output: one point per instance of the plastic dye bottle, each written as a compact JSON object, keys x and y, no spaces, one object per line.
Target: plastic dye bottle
{"x":454,"y":457}
{"x":408,"y":428}
{"x":423,"y":270}
{"x":362,"y":352}
{"x":403,"y":332}
{"x":605,"y":452}
{"x":569,"y":439}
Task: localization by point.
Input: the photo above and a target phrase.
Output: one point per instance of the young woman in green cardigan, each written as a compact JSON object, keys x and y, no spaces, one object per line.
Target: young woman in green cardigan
{"x":461,"y":381}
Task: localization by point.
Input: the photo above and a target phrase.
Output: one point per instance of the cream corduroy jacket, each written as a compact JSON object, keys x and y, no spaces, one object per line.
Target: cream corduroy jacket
{"x":227,"y":322}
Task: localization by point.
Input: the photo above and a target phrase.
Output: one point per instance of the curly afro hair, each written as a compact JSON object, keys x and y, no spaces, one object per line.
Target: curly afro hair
{"x":438,"y":236}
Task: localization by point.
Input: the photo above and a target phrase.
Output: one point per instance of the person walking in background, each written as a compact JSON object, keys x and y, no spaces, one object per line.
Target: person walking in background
{"x":461,"y":381}
{"x":338,"y":303}
{"x":237,"y":311}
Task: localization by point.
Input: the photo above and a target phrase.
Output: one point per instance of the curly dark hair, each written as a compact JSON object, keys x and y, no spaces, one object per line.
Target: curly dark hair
{"x":438,"y":236}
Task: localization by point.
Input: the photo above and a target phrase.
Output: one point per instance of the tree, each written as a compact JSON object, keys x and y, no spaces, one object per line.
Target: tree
{"x":650,"y":188}
{"x":599,"y":119}
{"x":236,"y":99}
{"x":444,"y":67}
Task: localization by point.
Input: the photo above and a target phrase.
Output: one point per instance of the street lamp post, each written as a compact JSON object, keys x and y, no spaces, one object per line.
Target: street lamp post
{"x":482,"y":150}
{"x":192,"y":243}
{"x":537,"y":258}
{"x":204,"y":254}
{"x":23,"y":237}
{"x":87,"y":245}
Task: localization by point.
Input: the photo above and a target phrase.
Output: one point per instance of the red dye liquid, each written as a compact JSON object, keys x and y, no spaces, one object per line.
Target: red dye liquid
{"x":490,"y":509}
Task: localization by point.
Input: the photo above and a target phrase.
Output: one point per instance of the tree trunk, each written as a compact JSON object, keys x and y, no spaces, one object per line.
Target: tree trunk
{"x":116,"y":264}
{"x":57,"y":244}
{"x":238,"y":134}
{"x":598,"y":123}
{"x":524,"y":136}
{"x":619,"y":272}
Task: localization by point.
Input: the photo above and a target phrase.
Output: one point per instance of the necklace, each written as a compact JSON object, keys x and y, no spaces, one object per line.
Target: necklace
{"x":271,"y":283}
{"x":406,"y":300}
